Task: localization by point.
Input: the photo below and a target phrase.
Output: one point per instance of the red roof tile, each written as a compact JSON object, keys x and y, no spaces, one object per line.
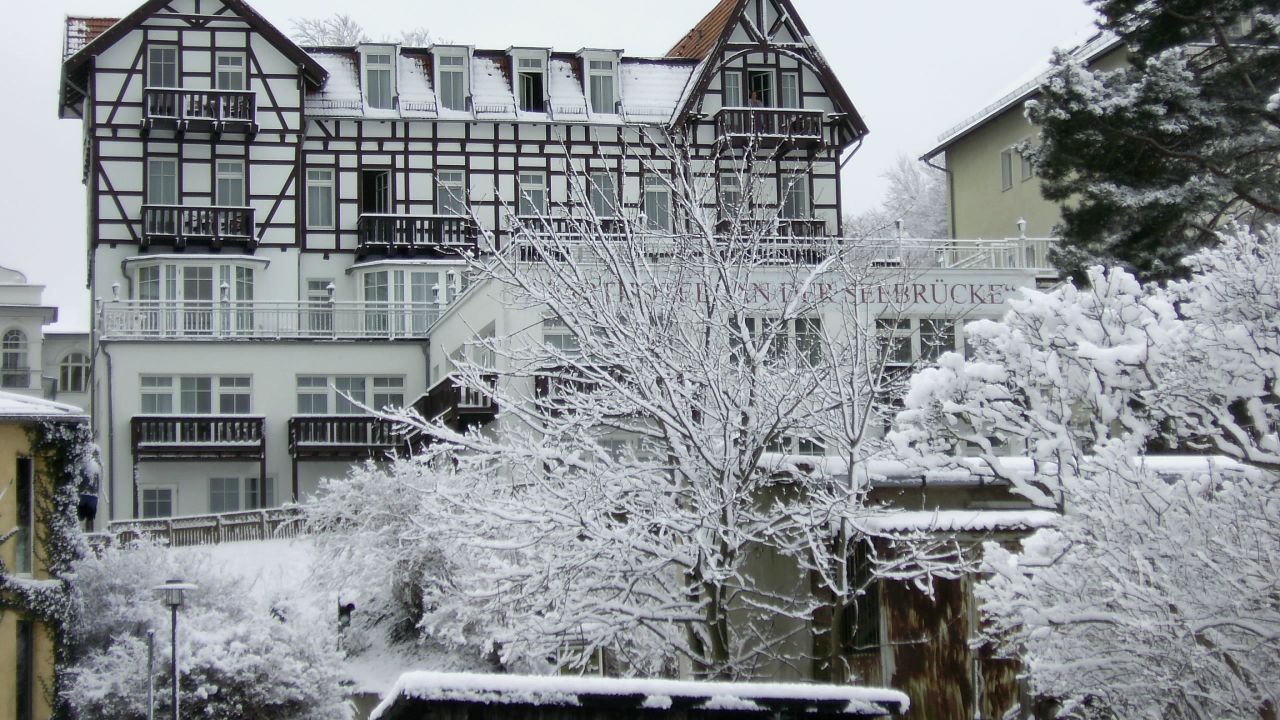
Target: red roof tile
{"x":82,"y":30}
{"x":699,"y":41}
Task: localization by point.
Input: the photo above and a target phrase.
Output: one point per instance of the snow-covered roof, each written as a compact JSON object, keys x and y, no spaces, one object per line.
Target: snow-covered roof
{"x":1090,"y":50}
{"x":15,"y":407}
{"x":945,"y":521}
{"x":560,"y":690}
{"x":652,"y":90}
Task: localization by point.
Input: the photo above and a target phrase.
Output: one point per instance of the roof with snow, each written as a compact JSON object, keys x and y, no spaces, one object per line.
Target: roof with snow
{"x":1087,"y":52}
{"x":415,"y":693}
{"x":21,"y":408}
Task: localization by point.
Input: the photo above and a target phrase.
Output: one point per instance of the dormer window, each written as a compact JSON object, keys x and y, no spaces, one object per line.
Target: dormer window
{"x":162,"y":66}
{"x":379,"y":74}
{"x":602,"y":76}
{"x":531,"y":75}
{"x":451,"y":79}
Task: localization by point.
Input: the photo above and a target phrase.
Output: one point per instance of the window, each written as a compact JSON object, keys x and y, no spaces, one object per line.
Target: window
{"x":313,"y":395}
{"x":376,"y":297}
{"x":162,"y":181}
{"x":157,"y":502}
{"x":230,"y":71}
{"x":809,"y":341}
{"x":320,"y":394}
{"x":319,"y":306}
{"x":377,"y":78}
{"x":224,"y":495}
{"x":862,"y":616}
{"x":603,"y":195}
{"x":529,"y":81}
{"x":795,"y":199}
{"x":730,"y":197}
{"x":937,"y":336}
{"x":196,"y":394}
{"x":1025,"y":161}
{"x":320,"y":199}
{"x":230,"y":184}
{"x":1006,"y":169}
{"x":657,"y":204}
{"x":157,"y":395}
{"x":162,"y":66}
{"x":24,"y":537}
{"x":251,"y":493}
{"x":601,"y":73}
{"x":73,"y":373}
{"x":895,"y":341}
{"x":14,"y":371}
{"x":760,"y":83}
{"x":533,"y":194}
{"x":452,"y":189}
{"x":732,"y":93}
{"x":560,"y":338}
{"x":453,"y":81}
{"x":790,"y":90}
{"x":388,"y":392}
{"x":235,"y":395}
{"x":375,"y":191}
{"x":349,"y":394}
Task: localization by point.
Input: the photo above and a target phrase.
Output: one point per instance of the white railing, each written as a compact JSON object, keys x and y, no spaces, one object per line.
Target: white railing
{"x":187,"y":320}
{"x":919,"y":254}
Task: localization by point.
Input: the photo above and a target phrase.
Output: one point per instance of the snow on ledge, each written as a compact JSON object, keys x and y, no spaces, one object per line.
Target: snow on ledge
{"x":560,"y":690}
{"x":961,"y":520}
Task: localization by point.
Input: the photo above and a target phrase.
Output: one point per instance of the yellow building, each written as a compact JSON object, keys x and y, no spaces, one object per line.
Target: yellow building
{"x":991,"y":186}
{"x":26,"y":644}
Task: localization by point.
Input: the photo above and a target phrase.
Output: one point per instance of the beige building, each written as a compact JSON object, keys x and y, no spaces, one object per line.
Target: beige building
{"x":26,"y":645}
{"x":991,"y":186}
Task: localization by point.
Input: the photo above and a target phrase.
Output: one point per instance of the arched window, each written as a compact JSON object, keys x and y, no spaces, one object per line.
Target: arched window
{"x":14,"y":371}
{"x":73,"y":373}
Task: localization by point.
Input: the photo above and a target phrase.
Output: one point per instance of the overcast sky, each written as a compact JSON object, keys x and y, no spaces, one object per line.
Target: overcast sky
{"x":913,"y":67}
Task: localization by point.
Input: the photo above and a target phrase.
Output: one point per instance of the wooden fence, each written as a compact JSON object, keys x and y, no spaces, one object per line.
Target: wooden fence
{"x":246,"y":525}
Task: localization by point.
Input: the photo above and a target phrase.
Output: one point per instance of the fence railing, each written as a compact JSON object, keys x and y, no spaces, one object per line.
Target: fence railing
{"x":221,"y":108}
{"x":205,"y":225}
{"x":438,"y":234}
{"x":187,"y":435}
{"x":215,"y":320}
{"x":243,"y":526}
{"x":341,"y":435}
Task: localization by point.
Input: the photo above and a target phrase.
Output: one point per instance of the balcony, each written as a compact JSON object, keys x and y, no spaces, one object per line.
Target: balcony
{"x":206,"y":320}
{"x":458,"y":408}
{"x":214,"y":111}
{"x":415,"y":235}
{"x":198,"y":437}
{"x":212,"y":227}
{"x":770,"y":128}
{"x":342,"y":437}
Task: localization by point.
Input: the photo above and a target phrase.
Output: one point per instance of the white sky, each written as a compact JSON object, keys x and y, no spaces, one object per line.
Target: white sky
{"x":912,"y":67}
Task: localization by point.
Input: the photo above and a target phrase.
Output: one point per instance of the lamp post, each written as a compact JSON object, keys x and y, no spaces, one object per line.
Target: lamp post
{"x":171,"y":594}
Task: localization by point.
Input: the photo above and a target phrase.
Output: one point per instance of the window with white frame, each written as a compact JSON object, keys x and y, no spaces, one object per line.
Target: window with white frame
{"x":319,"y":305}
{"x":229,"y":191}
{"x":731,"y":94}
{"x":157,"y":395}
{"x":452,"y":81}
{"x":557,"y":336}
{"x":251,"y":486}
{"x":320,"y":215}
{"x":603,"y":194}
{"x":790,"y":87}
{"x":343,"y":394}
{"x":162,"y":66}
{"x":533,"y":193}
{"x":224,"y":494}
{"x":795,"y":198}
{"x":73,"y":373}
{"x":313,"y":395}
{"x":230,"y":71}
{"x":14,"y":369}
{"x":1006,"y":169}
{"x":196,"y":394}
{"x":1024,"y":158}
{"x":451,"y":189}
{"x":730,"y":196}
{"x":235,"y":395}
{"x":162,"y":181}
{"x":379,"y":72}
{"x":657,"y":204}
{"x":602,"y":77}
{"x":530,"y":84}
{"x":157,"y":502}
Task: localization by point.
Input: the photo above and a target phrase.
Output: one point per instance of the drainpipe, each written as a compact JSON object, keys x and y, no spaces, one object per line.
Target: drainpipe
{"x":951,"y":191}
{"x":111,"y":437}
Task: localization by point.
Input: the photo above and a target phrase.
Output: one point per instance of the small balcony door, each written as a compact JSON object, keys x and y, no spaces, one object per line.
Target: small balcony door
{"x":375,"y":199}
{"x":197,"y":300}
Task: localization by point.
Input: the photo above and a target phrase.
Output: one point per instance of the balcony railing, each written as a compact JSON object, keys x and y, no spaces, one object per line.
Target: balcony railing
{"x":161,"y":437}
{"x":770,"y":127}
{"x":242,"y":526}
{"x":460,"y":408}
{"x":211,"y":226}
{"x":342,"y":436}
{"x":188,"y":320}
{"x":431,"y":235}
{"x":212,"y":110}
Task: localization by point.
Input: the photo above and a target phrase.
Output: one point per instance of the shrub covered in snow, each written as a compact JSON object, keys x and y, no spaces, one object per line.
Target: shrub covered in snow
{"x":240,"y":656}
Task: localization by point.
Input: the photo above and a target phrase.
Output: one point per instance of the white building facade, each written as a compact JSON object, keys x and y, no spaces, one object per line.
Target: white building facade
{"x":276,"y":231}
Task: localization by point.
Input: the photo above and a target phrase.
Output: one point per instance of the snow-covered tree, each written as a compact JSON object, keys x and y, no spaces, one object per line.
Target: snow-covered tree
{"x":1151,"y":159}
{"x":240,"y":655}
{"x":1156,"y":596}
{"x":339,"y":30}
{"x":644,"y":463}
{"x":917,"y":196}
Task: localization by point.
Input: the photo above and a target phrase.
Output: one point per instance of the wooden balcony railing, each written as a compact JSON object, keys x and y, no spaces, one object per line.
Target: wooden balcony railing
{"x":181,"y":437}
{"x":243,"y":526}
{"x":211,"y":226}
{"x":770,"y":127}
{"x":200,"y":110}
{"x":187,"y":320}
{"x":342,"y":436}
{"x":459,"y":408}
{"x":430,"y":235}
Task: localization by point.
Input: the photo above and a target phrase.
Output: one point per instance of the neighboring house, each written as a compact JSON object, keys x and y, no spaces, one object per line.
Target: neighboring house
{"x":991,"y":186}
{"x":33,"y":361}
{"x":26,"y":644}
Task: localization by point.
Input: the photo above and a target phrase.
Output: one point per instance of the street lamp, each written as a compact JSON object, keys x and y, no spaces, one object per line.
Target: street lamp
{"x":171,"y":594}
